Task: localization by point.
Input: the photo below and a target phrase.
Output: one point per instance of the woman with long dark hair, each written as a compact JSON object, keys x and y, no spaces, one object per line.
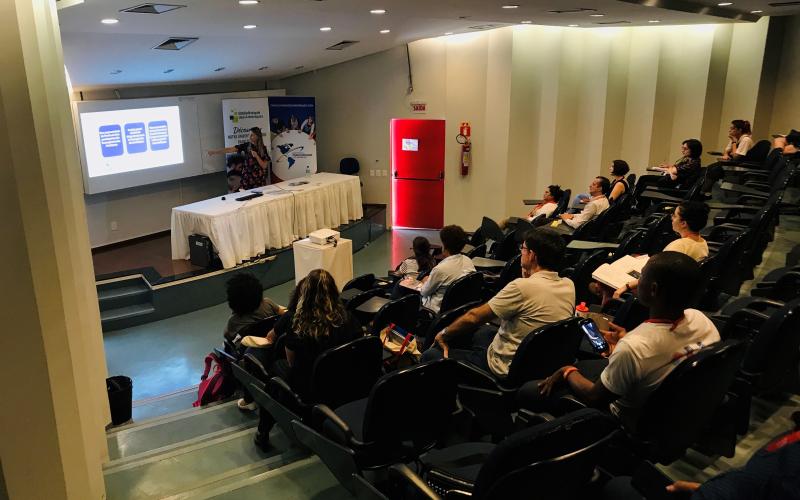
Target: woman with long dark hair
{"x":255,"y":170}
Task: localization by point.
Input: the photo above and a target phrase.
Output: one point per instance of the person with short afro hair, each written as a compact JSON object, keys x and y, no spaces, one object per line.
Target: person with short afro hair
{"x":248,"y":305}
{"x":453,"y":266}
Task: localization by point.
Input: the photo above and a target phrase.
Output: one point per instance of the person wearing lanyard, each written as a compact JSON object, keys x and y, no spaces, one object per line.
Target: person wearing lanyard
{"x":256,"y":159}
{"x":640,"y":359}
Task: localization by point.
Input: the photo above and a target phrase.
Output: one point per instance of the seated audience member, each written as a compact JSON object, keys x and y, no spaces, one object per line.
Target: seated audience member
{"x":320,"y":322}
{"x":421,"y":262}
{"x":539,"y":298}
{"x":639,"y":360}
{"x":789,"y":144}
{"x":597,"y":204}
{"x":552,"y":195}
{"x":453,"y":266}
{"x":771,"y":473}
{"x":619,"y":186}
{"x":248,"y":305}
{"x":740,"y":140}
{"x":688,"y":219}
{"x":685,"y":170}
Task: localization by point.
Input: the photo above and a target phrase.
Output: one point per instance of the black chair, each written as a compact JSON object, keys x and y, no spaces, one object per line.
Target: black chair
{"x":403,"y":312}
{"x":495,"y":282}
{"x":468,"y":288}
{"x":676,"y":414}
{"x":555,"y":459}
{"x":443,"y":320}
{"x":340,"y":375}
{"x":544,"y":350}
{"x":491,"y":230}
{"x":581,"y":273}
{"x":563,"y":203}
{"x":478,"y":251}
{"x":406,"y":413}
{"x":363,"y":283}
{"x":349,"y":166}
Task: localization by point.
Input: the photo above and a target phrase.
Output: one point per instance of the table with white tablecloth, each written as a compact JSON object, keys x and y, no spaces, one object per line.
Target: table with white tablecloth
{"x":241,"y":230}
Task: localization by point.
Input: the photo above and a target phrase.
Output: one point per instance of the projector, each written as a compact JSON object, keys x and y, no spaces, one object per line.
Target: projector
{"x":324,"y":236}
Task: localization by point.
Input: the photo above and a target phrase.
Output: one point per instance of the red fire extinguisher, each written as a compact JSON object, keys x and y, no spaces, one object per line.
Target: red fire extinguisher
{"x":466,"y":147}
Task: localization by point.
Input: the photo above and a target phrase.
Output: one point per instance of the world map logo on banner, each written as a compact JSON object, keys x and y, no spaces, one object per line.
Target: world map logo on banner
{"x":296,"y":154}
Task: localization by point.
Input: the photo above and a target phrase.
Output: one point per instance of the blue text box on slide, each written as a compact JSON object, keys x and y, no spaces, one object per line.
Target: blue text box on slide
{"x":159,"y":135}
{"x":111,"y":140}
{"x":135,"y":138}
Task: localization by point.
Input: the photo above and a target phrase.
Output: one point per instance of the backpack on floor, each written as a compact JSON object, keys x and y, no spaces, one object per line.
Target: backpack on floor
{"x":218,"y":386}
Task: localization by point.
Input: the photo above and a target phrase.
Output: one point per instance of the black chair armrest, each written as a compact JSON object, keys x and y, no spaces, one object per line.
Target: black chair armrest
{"x":568,"y":403}
{"x":251,"y":361}
{"x":280,"y":390}
{"x":224,"y":356}
{"x":755,"y":184}
{"x":529,"y":418}
{"x":410,"y":478}
{"x":471,"y":375}
{"x":322,"y":412}
{"x":658,"y":195}
{"x":763,"y":303}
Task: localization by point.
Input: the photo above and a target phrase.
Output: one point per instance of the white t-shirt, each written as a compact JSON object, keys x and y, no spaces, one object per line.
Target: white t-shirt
{"x":409,"y":268}
{"x":446,"y":272}
{"x":647,"y":354}
{"x":547,"y":210}
{"x":595,"y":207}
{"x":524,"y":305}
{"x":744,"y":145}
{"x":698,"y":250}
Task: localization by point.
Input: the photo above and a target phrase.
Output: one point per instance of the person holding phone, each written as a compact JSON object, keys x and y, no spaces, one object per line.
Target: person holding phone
{"x":639,"y":360}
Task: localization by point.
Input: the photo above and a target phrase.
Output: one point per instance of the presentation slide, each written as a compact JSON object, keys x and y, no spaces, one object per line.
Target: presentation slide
{"x":128,"y":140}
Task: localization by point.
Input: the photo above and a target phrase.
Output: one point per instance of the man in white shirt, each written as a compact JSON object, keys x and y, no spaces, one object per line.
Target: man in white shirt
{"x":453,"y":266}
{"x":598,"y":203}
{"x":641,"y":359}
{"x":537,"y":299}
{"x":552,"y":195}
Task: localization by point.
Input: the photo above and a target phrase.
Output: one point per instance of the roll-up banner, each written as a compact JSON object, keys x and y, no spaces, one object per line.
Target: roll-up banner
{"x":293,"y":130}
{"x":239,"y":116}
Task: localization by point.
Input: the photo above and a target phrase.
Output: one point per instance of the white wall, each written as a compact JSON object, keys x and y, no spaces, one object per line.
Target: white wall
{"x":786,"y":104}
{"x":546,"y":104}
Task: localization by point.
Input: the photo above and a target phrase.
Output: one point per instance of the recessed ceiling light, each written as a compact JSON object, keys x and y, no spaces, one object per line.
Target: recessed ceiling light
{"x":725,"y":4}
{"x":448,"y":33}
{"x":596,"y":15}
{"x":116,"y":72}
{"x":262,"y":68}
{"x":219,"y":69}
{"x":299,"y":67}
{"x":526,"y":22}
{"x":168,"y":70}
{"x":510,"y":6}
{"x":572,"y":25}
{"x":756,"y":11}
{"x":654,"y":21}
{"x":110,"y":20}
{"x":325,"y":28}
{"x":378,"y":11}
{"x":249,"y":26}
{"x":248,"y":2}
{"x":383,"y":32}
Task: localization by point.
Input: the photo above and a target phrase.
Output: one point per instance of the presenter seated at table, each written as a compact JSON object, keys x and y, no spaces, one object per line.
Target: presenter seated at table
{"x":537,"y":299}
{"x":255,"y":170}
{"x":685,"y":170}
{"x":453,"y":266}
{"x":597,"y":204}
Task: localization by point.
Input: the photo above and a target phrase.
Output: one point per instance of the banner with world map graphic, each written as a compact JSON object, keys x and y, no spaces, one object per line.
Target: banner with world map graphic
{"x":293,"y":129}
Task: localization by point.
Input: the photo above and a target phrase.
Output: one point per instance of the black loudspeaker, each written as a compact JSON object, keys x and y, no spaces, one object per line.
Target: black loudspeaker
{"x":201,"y":250}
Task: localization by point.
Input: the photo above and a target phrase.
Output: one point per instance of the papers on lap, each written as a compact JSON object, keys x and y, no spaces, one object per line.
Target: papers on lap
{"x":411,"y":283}
{"x":622,"y":271}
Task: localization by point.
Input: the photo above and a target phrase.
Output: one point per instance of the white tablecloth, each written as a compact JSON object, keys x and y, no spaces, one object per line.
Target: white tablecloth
{"x":241,"y":230}
{"x":336,"y":260}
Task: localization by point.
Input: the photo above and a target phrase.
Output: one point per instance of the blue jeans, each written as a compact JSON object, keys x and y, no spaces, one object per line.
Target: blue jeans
{"x":473,"y":352}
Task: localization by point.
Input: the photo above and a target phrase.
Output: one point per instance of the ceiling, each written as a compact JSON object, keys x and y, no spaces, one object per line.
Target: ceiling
{"x":288,"y":40}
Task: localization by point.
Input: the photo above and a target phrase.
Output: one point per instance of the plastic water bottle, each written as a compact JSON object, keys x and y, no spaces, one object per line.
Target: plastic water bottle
{"x":581,"y":310}
{"x":308,"y":170}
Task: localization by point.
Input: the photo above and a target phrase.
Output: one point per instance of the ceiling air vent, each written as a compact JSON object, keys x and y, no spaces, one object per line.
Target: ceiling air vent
{"x":482,"y":27}
{"x":175,"y":43}
{"x":342,"y":45}
{"x":152,"y":8}
{"x":783,"y":4}
{"x":571,"y":11}
{"x":610,"y":23}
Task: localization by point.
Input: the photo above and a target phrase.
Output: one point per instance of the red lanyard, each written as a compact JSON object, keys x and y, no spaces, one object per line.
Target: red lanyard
{"x":787,"y":439}
{"x":666,"y":321}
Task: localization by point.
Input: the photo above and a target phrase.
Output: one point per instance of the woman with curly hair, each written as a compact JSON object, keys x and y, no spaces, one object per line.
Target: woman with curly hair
{"x":319,"y":322}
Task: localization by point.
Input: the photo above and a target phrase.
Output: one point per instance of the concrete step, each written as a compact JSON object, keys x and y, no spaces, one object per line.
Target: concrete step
{"x":137,"y":292}
{"x":197,"y":465}
{"x":186,"y":427}
{"x":114,"y":319}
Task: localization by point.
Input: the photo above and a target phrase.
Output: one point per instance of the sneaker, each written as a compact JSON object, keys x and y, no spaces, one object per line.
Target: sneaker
{"x":243,"y":405}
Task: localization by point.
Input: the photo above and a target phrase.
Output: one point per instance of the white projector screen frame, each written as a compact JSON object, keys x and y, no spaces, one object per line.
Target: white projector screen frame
{"x":191,"y":165}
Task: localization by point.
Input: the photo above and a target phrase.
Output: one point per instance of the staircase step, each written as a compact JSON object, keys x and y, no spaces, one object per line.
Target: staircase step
{"x":114,"y":298}
{"x":122,"y":313}
{"x":198,"y":466}
{"x":154,"y":436}
{"x":306,"y":478}
{"x":149,"y":408}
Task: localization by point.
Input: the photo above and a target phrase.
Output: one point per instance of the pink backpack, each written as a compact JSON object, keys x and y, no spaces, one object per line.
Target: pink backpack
{"x":216,"y":387}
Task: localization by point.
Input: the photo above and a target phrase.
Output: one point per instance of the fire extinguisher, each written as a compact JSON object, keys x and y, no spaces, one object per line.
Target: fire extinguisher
{"x":466,"y":147}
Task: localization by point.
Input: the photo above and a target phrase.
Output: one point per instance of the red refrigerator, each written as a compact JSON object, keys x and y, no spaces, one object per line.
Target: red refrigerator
{"x":417,"y":173}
